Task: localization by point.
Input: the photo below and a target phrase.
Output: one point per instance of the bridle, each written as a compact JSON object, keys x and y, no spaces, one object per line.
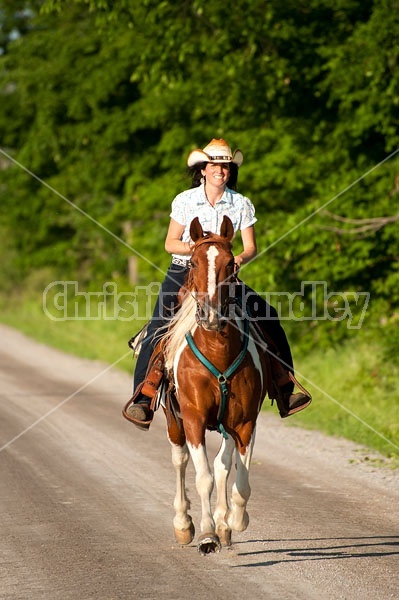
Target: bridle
{"x":224,"y":309}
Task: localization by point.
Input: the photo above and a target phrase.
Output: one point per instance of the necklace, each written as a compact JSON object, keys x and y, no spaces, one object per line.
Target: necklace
{"x":214,"y":200}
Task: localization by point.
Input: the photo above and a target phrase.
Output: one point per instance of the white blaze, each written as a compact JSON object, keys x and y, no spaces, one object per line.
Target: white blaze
{"x":212,"y":254}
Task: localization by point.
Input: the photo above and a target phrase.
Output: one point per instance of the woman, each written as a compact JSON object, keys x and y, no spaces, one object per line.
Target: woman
{"x":212,"y":195}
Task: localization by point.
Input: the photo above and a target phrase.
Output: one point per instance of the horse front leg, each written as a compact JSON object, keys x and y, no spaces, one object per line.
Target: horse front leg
{"x":182,"y":522}
{"x":222,"y":468}
{"x":238,"y":517}
{"x":208,"y":541}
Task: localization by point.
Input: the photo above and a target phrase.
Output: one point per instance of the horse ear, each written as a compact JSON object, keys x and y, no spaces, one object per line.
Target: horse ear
{"x":196,"y":231}
{"x":227,"y":229}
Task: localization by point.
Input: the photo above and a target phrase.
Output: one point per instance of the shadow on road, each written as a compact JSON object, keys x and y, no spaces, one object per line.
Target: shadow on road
{"x":312,"y":549}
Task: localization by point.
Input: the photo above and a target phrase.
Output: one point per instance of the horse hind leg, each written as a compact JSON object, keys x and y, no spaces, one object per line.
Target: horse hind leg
{"x":182,"y":522}
{"x":238,"y":518}
{"x":222,"y":468}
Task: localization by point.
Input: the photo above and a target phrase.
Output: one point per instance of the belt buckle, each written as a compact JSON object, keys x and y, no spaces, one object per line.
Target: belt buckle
{"x":180,"y":262}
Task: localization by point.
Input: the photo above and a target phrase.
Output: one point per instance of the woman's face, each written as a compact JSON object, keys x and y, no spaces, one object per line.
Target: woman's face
{"x":216,"y":174}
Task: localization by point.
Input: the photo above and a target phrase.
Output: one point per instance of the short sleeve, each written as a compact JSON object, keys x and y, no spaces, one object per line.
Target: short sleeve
{"x":248,"y":213}
{"x":178,"y":212}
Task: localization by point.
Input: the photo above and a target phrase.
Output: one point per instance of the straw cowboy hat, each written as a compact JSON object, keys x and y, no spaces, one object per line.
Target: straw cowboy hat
{"x":217,"y":151}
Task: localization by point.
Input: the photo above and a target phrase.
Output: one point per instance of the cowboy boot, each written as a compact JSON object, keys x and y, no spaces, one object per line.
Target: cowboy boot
{"x":283,"y":382}
{"x":140,"y":408}
{"x":289,"y":403}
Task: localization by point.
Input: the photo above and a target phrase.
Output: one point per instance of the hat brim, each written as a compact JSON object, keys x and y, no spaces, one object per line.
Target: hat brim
{"x":199,"y":156}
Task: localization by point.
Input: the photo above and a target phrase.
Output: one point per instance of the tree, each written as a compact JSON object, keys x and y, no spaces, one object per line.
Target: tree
{"x":308,"y":90}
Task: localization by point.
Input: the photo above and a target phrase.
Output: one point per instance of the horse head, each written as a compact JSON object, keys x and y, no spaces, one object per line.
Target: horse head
{"x":212,"y":272}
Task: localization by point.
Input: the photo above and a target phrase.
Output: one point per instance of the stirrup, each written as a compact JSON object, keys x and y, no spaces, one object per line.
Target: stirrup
{"x":291,"y":411}
{"x":283,"y":402}
{"x":143,"y":425}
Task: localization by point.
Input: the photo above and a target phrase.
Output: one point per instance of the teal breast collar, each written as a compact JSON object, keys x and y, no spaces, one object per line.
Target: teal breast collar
{"x":221,"y":377}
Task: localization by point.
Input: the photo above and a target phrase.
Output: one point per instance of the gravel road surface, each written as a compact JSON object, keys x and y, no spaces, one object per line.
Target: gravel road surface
{"x":86,"y":500}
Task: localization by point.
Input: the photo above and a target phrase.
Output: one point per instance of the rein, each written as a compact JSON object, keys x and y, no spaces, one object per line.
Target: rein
{"x":221,"y":377}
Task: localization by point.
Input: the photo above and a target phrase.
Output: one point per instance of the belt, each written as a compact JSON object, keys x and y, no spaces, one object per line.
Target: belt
{"x":181,"y":262}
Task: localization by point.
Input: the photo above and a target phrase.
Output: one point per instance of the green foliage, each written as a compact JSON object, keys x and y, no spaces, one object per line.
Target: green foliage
{"x":102,"y":102}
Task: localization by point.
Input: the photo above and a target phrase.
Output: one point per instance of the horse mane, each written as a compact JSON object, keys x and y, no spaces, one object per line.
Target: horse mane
{"x":181,"y":322}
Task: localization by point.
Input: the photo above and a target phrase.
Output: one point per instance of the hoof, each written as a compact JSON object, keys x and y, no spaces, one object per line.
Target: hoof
{"x":224,"y":535}
{"x":185,"y":536}
{"x":208,"y":543}
{"x":238,"y":522}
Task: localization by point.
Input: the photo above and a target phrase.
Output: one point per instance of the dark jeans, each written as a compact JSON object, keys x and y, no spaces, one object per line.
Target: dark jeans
{"x":164,"y":308}
{"x":166,"y":304}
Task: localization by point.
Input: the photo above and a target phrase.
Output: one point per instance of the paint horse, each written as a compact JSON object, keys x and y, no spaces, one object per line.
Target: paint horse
{"x":220,"y":380}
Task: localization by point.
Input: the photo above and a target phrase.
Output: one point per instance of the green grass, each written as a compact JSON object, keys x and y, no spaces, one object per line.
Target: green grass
{"x":94,"y":339}
{"x":355,"y":391}
{"x":355,"y":395}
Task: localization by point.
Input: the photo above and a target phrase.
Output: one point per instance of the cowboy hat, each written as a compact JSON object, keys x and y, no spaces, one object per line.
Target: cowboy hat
{"x":217,"y":151}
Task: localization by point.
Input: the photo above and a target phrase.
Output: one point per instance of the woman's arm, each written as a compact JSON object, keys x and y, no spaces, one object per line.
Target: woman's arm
{"x":249,"y":246}
{"x":173,"y":243}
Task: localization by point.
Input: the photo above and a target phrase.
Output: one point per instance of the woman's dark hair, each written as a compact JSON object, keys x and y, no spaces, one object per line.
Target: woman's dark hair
{"x":196,"y":175}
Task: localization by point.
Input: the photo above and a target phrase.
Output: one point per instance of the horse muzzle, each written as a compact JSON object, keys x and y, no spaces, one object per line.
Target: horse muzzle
{"x":209,"y":318}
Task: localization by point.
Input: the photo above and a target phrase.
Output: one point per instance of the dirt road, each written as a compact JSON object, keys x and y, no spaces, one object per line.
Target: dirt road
{"x":86,"y":500}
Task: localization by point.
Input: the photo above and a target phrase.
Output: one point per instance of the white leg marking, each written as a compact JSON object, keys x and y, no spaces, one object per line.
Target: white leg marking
{"x":180,"y":458}
{"x":238,"y":517}
{"x":204,"y":483}
{"x":222,"y":468}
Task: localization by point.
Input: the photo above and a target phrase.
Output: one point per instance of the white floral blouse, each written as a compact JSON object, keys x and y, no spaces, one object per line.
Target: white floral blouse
{"x":194,"y":203}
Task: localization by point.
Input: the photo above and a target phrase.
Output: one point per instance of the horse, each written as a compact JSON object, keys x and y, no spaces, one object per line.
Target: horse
{"x":220,"y":377}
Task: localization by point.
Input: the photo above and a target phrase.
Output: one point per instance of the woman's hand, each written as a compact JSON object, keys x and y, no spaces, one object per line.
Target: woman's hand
{"x":249,"y":246}
{"x":237,"y":263}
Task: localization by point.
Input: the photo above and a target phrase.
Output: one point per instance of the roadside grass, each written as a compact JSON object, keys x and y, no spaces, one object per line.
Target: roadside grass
{"x":104,"y":340}
{"x":355,"y":396}
{"x":355,"y":391}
